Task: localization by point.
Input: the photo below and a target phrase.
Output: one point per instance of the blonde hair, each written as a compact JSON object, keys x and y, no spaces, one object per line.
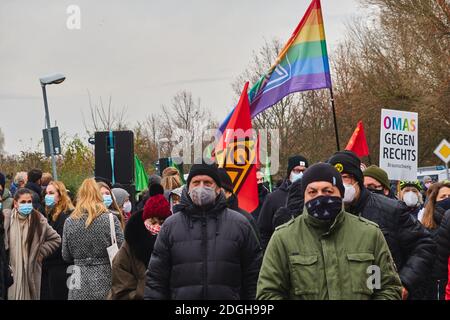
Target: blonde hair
{"x":171,"y":179}
{"x":89,"y":201}
{"x":428,"y":216}
{"x":114,"y":204}
{"x":64,"y":204}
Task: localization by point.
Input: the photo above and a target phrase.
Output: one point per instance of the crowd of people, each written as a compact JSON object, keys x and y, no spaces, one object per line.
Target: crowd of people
{"x":332,"y":230}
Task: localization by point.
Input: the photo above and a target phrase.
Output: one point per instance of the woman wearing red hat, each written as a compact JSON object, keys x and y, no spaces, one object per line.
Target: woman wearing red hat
{"x":130,"y":263}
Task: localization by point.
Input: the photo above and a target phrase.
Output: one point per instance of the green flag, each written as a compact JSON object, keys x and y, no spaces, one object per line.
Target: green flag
{"x":140,"y":176}
{"x":267,"y":175}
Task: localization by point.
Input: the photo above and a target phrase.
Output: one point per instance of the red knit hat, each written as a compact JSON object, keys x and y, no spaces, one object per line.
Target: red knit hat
{"x":156,"y":206}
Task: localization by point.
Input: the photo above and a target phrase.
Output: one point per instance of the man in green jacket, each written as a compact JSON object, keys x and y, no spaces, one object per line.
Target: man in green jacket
{"x":327,"y":253}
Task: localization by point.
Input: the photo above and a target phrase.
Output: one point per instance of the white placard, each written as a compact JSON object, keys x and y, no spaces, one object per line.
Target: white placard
{"x":399,"y":144}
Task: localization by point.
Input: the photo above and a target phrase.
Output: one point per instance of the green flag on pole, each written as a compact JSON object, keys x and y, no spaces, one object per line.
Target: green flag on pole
{"x":140,"y":176}
{"x":267,"y":175}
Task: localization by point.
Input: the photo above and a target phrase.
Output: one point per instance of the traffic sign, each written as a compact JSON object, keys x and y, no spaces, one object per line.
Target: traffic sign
{"x":443,"y":151}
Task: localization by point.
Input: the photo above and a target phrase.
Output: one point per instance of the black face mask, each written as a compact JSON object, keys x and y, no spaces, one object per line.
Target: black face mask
{"x":444,"y":204}
{"x":324,"y":207}
{"x":376,"y":191}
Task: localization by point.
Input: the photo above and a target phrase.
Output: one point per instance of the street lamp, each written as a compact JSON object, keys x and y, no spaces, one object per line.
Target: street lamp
{"x":56,"y":78}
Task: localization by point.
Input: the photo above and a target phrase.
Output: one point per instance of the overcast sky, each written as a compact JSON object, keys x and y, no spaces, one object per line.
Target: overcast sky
{"x":141,"y":52}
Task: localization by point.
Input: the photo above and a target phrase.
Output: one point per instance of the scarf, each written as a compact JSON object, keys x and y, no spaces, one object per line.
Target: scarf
{"x":20,"y":290}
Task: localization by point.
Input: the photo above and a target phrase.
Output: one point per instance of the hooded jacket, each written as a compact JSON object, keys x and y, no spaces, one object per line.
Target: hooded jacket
{"x":200,"y":254}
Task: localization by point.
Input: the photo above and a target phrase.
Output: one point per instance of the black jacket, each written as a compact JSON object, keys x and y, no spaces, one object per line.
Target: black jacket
{"x":293,"y":208}
{"x":263,"y":191}
{"x":442,"y":243}
{"x":411,"y":245}
{"x":139,"y":239}
{"x":273,"y":202}
{"x":211,"y":254}
{"x":233,"y":204}
{"x":54,"y":268}
{"x":37,"y":196}
{"x":433,"y":287}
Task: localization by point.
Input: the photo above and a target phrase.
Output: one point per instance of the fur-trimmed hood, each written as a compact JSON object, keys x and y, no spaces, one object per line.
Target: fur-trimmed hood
{"x":139,"y":239}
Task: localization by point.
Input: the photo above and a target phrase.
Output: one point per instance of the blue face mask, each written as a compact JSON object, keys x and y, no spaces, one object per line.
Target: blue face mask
{"x":107,"y":200}
{"x":25,"y":208}
{"x":296,"y":176}
{"x":50,"y":200}
{"x":1,"y":205}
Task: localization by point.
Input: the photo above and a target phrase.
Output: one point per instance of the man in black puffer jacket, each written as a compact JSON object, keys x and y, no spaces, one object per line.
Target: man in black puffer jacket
{"x":277,"y":199}
{"x":205,"y":251}
{"x":410,"y":243}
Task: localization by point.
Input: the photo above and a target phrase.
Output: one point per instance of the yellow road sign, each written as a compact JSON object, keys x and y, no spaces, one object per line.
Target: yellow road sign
{"x":443,"y":151}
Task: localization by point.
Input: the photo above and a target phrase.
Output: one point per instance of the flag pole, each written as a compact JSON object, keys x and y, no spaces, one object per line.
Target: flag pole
{"x":334,"y":119}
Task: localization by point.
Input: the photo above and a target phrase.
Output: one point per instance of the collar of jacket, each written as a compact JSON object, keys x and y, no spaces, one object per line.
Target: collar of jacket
{"x":325,"y":227}
{"x":358,"y":207}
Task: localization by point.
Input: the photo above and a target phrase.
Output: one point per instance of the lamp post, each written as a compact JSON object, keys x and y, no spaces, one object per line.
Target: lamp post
{"x":50,"y":79}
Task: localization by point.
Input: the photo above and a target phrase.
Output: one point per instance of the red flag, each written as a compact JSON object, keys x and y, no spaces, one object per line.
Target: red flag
{"x":358,"y":142}
{"x":236,"y":152}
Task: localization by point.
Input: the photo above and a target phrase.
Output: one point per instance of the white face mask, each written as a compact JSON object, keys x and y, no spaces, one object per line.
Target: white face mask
{"x":127,"y":207}
{"x":411,"y":199}
{"x":350,"y":193}
{"x":296,"y":176}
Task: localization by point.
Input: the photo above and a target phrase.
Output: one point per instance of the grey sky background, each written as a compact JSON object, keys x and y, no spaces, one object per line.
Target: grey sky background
{"x":141,"y":52}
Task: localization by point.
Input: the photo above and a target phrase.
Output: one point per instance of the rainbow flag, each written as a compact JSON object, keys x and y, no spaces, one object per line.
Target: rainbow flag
{"x":302,"y":65}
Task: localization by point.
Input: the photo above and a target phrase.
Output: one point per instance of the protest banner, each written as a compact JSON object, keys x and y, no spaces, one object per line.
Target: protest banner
{"x":399,"y":144}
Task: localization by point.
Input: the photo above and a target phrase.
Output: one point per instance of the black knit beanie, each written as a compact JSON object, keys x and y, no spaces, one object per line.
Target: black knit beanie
{"x":225,"y":180}
{"x":348,"y":162}
{"x":322,"y":172}
{"x":204,"y":169}
{"x":296,"y":161}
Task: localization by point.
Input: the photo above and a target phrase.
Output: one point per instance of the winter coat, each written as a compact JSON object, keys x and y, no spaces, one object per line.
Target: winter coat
{"x":204,"y":254}
{"x":7,"y":200}
{"x":86,"y":248}
{"x":37,"y":196}
{"x":130,"y":263}
{"x":273,"y":202}
{"x":293,"y":208}
{"x":233,"y":204}
{"x":440,"y":271}
{"x":54,"y":268}
{"x":313,"y":259}
{"x":263,"y":191}
{"x":410,"y":243}
{"x":41,"y":247}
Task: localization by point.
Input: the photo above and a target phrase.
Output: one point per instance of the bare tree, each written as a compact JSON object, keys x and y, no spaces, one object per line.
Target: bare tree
{"x":105,"y":117}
